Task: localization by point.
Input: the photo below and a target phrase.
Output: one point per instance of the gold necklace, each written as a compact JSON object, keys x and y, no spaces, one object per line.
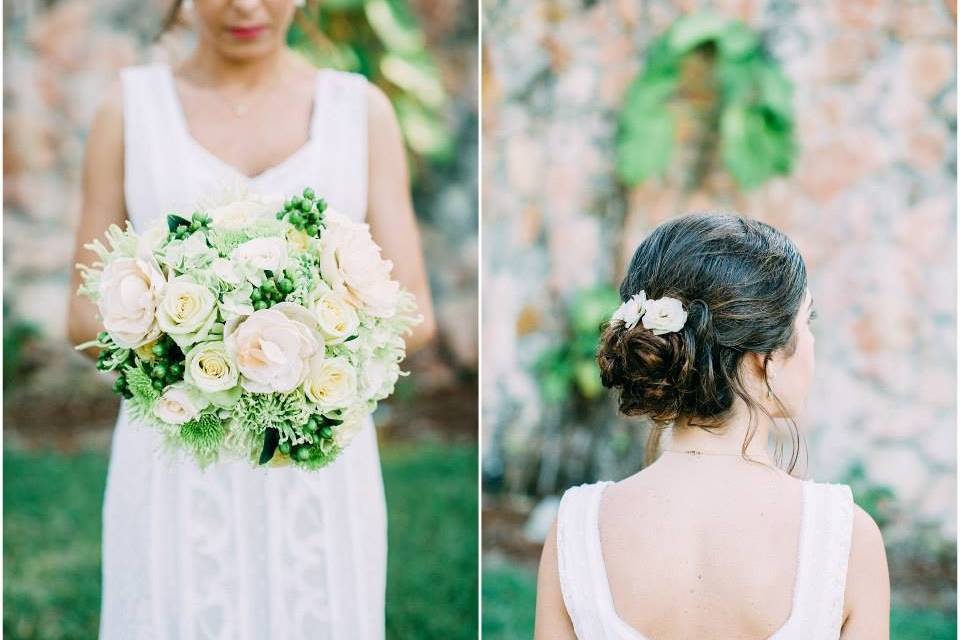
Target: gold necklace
{"x":700,"y":452}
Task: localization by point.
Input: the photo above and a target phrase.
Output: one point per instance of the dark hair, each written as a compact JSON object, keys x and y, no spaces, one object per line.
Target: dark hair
{"x":173,"y":15}
{"x":742,"y":283}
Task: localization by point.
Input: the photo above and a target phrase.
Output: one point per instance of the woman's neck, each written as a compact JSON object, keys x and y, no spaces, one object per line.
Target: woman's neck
{"x":207,"y":66}
{"x":725,"y":439}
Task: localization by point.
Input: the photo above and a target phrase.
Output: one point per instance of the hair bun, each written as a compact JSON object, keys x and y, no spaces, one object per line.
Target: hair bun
{"x":650,"y":371}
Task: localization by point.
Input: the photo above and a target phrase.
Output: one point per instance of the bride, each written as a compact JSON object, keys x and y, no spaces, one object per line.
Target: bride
{"x":238,"y":552}
{"x":712,"y":540}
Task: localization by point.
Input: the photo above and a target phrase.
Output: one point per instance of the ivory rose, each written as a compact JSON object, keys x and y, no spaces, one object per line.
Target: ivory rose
{"x":210,"y":368}
{"x":337,"y":319}
{"x":187,"y":311}
{"x":258,"y":255}
{"x":129,"y":292}
{"x":351,"y":264}
{"x":179,"y":404}
{"x":237,"y":215}
{"x":331,"y":383}
{"x":273,"y":347}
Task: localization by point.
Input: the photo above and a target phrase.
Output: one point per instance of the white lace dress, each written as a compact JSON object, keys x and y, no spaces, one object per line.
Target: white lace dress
{"x":236,"y":552}
{"x":824,"y":550}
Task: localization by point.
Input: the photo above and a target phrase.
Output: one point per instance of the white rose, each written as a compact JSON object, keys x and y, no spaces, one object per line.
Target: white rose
{"x":354,"y":419}
{"x":210,"y":368}
{"x":225,"y":270}
{"x":331,"y":383}
{"x":337,"y":319}
{"x":664,"y":315}
{"x":351,"y":264}
{"x":260,"y":254}
{"x":187,"y":311}
{"x":273,"y":347}
{"x":377,"y":378}
{"x":631,"y":310}
{"x":237,"y":215}
{"x":179,"y":404}
{"x":152,"y":239}
{"x":128,"y":296}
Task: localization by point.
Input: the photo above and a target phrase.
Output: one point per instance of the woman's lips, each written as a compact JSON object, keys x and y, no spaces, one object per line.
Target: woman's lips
{"x":246,"y":33}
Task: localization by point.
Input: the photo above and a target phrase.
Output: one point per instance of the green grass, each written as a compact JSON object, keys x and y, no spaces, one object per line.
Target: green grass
{"x":509,"y":596}
{"x":51,"y":543}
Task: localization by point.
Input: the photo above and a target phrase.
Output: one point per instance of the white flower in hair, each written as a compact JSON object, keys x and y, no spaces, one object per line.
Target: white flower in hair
{"x":631,"y":310}
{"x":664,"y":315}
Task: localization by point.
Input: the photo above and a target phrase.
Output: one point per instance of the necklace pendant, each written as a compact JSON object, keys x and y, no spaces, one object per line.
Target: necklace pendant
{"x":240,"y":110}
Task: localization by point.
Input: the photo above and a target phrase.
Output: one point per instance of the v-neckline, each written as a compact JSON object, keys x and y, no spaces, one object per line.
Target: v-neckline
{"x":635,"y":634}
{"x":181,"y":117}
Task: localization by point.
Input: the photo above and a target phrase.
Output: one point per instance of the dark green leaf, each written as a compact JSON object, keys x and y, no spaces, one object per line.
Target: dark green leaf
{"x":271,"y":438}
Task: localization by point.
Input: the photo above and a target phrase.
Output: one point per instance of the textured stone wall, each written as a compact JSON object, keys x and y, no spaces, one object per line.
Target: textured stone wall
{"x":58,"y":58}
{"x":870,"y":202}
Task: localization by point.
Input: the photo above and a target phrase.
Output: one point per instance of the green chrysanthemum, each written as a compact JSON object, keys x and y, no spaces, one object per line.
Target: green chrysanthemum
{"x":203,"y":436}
{"x":257,"y":411}
{"x":141,"y":386}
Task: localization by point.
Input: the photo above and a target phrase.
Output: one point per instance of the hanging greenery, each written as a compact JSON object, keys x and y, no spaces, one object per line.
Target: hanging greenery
{"x":382,"y":40}
{"x":751,"y":113}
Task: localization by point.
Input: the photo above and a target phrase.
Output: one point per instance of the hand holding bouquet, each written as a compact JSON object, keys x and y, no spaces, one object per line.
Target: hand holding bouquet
{"x":262,"y":333}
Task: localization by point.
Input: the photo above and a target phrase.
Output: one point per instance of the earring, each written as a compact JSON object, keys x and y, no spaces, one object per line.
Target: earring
{"x":299,"y":3}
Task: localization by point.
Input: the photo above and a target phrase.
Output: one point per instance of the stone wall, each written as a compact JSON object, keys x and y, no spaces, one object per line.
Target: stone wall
{"x":870,"y":202}
{"x":58,"y":58}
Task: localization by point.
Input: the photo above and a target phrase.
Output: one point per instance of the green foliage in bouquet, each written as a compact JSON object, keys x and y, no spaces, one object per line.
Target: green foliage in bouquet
{"x":381,"y":40}
{"x":569,"y":368}
{"x":752,"y":108}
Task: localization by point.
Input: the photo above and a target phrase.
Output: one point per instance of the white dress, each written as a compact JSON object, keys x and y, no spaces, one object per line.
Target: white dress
{"x":824,"y":551}
{"x":237,"y":552}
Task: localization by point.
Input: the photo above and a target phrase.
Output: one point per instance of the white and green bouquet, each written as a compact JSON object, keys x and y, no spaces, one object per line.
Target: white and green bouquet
{"x":257,"y":328}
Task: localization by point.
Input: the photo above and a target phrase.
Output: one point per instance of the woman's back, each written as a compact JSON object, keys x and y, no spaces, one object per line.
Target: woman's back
{"x":705,"y":546}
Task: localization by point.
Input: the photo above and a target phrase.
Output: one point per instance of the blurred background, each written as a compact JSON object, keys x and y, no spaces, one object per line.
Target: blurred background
{"x":59,"y":55}
{"x":833,"y":121}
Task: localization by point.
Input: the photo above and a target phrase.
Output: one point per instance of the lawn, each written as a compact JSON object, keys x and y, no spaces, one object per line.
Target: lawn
{"x":509,"y":596}
{"x":51,"y":543}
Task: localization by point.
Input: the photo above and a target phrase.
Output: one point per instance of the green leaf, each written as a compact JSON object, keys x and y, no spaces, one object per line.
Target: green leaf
{"x":644,"y":146}
{"x":173,"y":221}
{"x":271,"y":438}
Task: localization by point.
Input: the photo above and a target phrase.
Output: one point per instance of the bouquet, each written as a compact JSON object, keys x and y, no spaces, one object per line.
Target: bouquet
{"x":258,"y":328}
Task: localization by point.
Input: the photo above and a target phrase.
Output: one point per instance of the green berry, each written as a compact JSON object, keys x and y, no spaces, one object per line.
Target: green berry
{"x":309,"y":194}
{"x":287,"y":205}
{"x":312,"y":425}
{"x":176,"y":369}
{"x":295,"y":202}
{"x":301,"y":453}
{"x":285,"y":285}
{"x":296,"y":220}
{"x":326,"y":432}
{"x":276,"y":295}
{"x":257,"y":295}
{"x":280,"y":214}
{"x":305,"y":205}
{"x":159,"y":372}
{"x":158,"y":385}
{"x":260,"y":305}
{"x":269,"y":285}
{"x":284,"y":448}
{"x":312,"y":230}
{"x":159,"y":349}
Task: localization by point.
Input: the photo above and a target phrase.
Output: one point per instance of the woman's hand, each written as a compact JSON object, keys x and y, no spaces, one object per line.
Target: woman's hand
{"x":103,"y":205}
{"x":390,"y":212}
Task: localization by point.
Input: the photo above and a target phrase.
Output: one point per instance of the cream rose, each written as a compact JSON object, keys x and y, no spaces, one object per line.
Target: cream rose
{"x":337,"y":319}
{"x":354,"y":419}
{"x":377,"y":379}
{"x":331,"y":383}
{"x":663,"y":315}
{"x":179,"y":404}
{"x":187,"y":311}
{"x":128,"y":296}
{"x":273,"y":347}
{"x":210,"y":368}
{"x":263,"y":254}
{"x":351,"y":264}
{"x":237,"y":215}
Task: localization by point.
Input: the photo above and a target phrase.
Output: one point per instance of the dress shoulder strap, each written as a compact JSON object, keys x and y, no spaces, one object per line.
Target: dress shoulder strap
{"x":577,"y":554}
{"x":150,"y":141}
{"x":824,"y":555}
{"x":340,"y":125}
